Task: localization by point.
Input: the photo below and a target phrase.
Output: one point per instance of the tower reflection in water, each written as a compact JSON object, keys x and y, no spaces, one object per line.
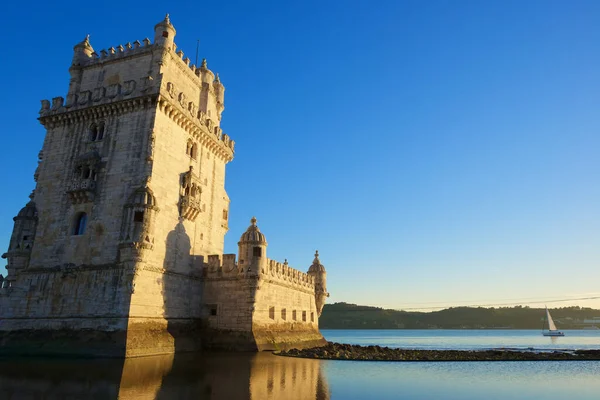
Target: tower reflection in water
{"x":189,"y":376}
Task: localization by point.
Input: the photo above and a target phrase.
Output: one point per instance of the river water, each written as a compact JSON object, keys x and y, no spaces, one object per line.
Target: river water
{"x":266,"y":376}
{"x":466,"y":339}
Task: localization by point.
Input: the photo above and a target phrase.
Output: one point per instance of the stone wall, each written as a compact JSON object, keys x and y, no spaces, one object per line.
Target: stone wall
{"x":119,"y":168}
{"x":277,"y":305}
{"x":68,"y":310}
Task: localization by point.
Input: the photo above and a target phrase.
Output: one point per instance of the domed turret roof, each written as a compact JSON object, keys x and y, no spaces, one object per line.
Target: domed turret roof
{"x":253,"y":234}
{"x":316,"y":265}
{"x":142,"y":197}
{"x":29,"y":211}
{"x":84,"y":44}
{"x":165,"y":22}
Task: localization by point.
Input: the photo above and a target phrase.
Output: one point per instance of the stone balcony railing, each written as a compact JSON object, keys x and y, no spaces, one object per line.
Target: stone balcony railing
{"x":190,"y":207}
{"x":81,"y":190}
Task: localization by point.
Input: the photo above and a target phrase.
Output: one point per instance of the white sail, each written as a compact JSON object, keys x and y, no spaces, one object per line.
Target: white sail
{"x":551,"y":326}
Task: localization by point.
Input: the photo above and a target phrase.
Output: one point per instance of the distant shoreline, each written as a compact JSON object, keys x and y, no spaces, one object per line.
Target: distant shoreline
{"x":450,"y":329}
{"x":337,"y":351}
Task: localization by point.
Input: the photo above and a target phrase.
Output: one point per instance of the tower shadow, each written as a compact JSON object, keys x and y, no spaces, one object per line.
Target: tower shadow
{"x":182,"y":292}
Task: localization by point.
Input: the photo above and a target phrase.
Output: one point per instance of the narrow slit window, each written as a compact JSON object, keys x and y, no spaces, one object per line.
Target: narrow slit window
{"x":80,"y":223}
{"x":93,"y":132}
{"x":272,"y":312}
{"x":138,"y":216}
{"x":100,"y":132}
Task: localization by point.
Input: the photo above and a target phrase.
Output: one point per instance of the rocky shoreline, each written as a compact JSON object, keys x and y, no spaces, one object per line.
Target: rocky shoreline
{"x":337,"y":351}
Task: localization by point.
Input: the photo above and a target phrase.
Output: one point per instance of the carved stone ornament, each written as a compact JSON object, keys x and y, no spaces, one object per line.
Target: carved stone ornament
{"x":193,"y":109}
{"x":98,"y":94}
{"x":84,"y":97}
{"x":71,"y":100}
{"x":45,"y":107}
{"x":128,"y":87}
{"x":182,"y":99}
{"x":57,"y":103}
{"x":171,"y":89}
{"x":113,"y":90}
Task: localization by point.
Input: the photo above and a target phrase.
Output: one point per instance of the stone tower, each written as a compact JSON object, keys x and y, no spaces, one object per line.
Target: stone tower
{"x":129,"y":199}
{"x":120,"y":250}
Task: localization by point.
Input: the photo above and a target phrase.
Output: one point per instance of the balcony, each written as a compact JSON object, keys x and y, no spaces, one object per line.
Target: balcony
{"x":189,"y":207}
{"x":81,"y":190}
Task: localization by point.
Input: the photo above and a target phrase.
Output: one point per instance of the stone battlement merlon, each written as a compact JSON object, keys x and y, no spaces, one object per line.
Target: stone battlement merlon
{"x":99,"y":80}
{"x":275,"y":271}
{"x":282,"y":272}
{"x":199,"y":75}
{"x":118,"y":53}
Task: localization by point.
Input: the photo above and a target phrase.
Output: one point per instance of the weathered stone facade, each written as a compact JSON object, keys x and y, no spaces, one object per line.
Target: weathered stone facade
{"x":115,"y":252}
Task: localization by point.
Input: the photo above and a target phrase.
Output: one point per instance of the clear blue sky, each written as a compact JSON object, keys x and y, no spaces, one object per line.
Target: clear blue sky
{"x":439,"y":152}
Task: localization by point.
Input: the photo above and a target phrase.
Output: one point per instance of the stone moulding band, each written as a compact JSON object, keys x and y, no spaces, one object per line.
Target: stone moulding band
{"x":61,"y":117}
{"x":222,"y":145}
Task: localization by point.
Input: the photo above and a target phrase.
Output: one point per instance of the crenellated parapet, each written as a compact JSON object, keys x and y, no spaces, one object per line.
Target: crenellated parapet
{"x":282,"y":273}
{"x":97,"y":90}
{"x":130,"y":49}
{"x":222,"y":266}
{"x":225,"y":266}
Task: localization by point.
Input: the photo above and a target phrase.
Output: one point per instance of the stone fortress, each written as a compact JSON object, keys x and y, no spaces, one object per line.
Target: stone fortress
{"x":119,"y":251}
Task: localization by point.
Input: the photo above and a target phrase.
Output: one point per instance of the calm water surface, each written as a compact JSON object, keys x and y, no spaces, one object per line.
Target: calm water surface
{"x":266,"y":376}
{"x":455,"y":339}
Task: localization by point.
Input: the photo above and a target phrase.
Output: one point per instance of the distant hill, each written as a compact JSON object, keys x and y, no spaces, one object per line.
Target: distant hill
{"x":352,"y":316}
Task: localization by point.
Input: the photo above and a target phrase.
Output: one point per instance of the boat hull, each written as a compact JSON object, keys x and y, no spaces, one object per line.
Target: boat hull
{"x":553,"y":333}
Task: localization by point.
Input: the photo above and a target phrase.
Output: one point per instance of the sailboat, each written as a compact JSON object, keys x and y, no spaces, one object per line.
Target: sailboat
{"x":552,"y":331}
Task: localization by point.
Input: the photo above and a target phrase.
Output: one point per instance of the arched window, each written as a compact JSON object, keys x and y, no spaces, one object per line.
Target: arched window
{"x":80,"y":223}
{"x":100,"y":131}
{"x":93,"y":132}
{"x":194,"y":151}
{"x":188,"y":148}
{"x":97,"y":131}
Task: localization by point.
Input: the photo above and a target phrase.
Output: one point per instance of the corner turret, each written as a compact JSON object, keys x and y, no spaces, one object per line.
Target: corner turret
{"x":220,"y":94}
{"x":252,"y":249}
{"x":21,"y":241}
{"x":317,"y":271}
{"x":206,"y":74}
{"x":164,"y":33}
{"x":82,"y":52}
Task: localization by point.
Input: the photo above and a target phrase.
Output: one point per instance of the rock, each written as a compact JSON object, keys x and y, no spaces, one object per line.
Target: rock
{"x":337,"y":351}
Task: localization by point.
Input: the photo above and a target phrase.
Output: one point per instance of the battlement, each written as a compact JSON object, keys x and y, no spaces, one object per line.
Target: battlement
{"x":274,"y":271}
{"x":99,"y":80}
{"x":283,"y":273}
{"x":119,"y":52}
{"x":228,"y":268}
